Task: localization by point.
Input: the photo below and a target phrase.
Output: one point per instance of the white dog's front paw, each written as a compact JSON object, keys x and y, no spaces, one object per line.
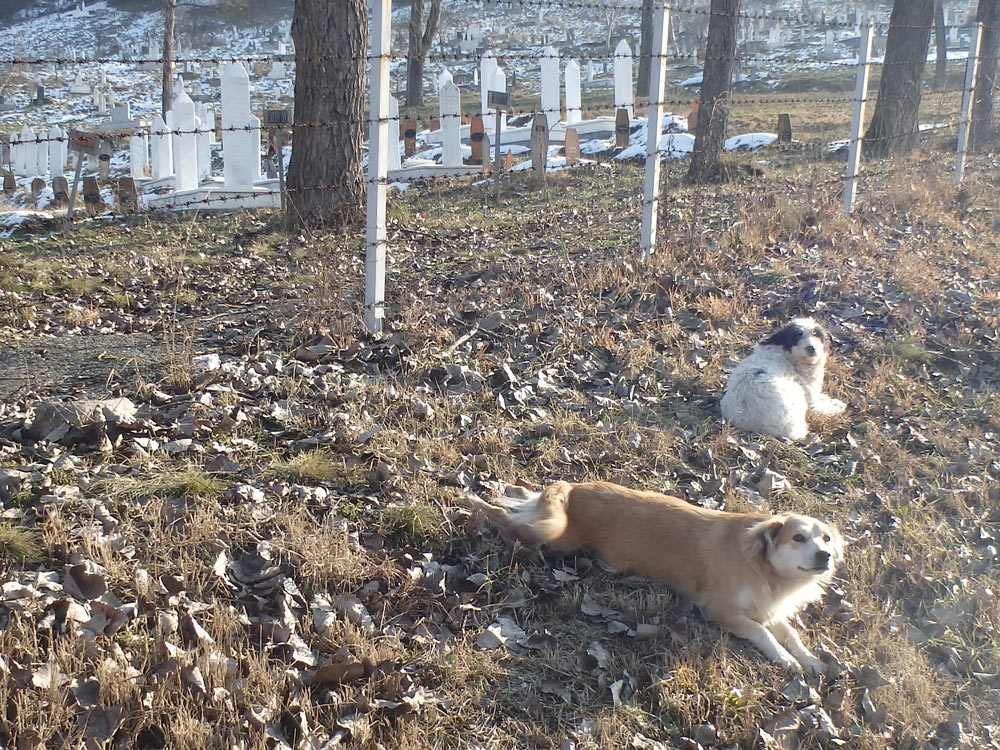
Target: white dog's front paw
{"x":829,"y":406}
{"x":813,"y":665}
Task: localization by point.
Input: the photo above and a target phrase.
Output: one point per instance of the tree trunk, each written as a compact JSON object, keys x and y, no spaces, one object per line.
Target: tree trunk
{"x":325,"y":182}
{"x":420,"y":39}
{"x":717,"y":80}
{"x":941,"y":41}
{"x":989,"y":47}
{"x":169,"y":8}
{"x":893,"y":129}
{"x":645,"y":47}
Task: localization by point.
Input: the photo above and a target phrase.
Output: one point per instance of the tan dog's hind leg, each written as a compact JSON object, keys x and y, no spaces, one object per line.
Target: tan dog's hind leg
{"x":786,"y":634}
{"x":760,"y":637}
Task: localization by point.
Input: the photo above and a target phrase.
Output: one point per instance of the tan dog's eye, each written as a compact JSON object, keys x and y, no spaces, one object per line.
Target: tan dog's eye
{"x":826,"y":537}
{"x":798,"y":538}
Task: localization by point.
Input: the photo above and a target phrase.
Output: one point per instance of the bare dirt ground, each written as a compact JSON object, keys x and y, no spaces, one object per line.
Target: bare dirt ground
{"x":272,"y":552}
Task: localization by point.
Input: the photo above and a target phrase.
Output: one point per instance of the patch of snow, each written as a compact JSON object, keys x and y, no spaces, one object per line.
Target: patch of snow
{"x":749,"y":141}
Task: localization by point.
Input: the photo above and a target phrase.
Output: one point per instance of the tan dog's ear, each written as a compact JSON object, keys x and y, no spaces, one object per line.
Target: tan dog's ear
{"x":760,"y":537}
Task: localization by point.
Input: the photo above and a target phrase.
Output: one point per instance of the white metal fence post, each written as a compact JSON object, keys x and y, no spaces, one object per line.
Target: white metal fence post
{"x":858,"y":118}
{"x":378,"y":165}
{"x":968,"y":98}
{"x":654,"y":127}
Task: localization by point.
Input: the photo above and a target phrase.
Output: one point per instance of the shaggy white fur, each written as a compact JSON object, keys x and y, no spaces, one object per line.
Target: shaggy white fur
{"x":772,"y":389}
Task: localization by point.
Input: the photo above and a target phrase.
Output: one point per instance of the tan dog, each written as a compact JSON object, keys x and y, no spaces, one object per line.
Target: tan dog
{"x":749,"y":572}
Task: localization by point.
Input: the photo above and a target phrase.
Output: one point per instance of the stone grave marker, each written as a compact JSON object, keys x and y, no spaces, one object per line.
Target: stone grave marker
{"x":39,"y":98}
{"x":508,"y":161}
{"x":449,"y":107}
{"x":104,"y":160}
{"x":126,"y":195}
{"x":185,"y":143}
{"x":60,"y":189}
{"x":409,"y":136}
{"x":57,"y":151}
{"x":572,"y":147}
{"x":623,"y":77}
{"x":41,"y":154}
{"x":621,"y":128}
{"x":92,"y":200}
{"x":239,"y":138}
{"x":549,"y":63}
{"x":693,"y":116}
{"x":476,"y":135}
{"x":9,"y":182}
{"x":539,"y":144}
{"x":784,"y":128}
{"x":435,"y":123}
{"x":573,"y":97}
{"x":37,"y":186}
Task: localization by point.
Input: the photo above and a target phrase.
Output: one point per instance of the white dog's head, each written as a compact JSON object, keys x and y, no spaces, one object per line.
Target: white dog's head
{"x":804,"y":339}
{"x":799,"y":547}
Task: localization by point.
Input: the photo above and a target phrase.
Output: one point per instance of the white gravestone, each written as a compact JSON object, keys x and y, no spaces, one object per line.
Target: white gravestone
{"x":499,"y":84}
{"x":185,"y":142}
{"x":161,"y":149}
{"x":41,"y":154}
{"x":450,"y":111}
{"x":206,"y":121}
{"x":487,"y":69}
{"x":828,"y":44}
{"x":29,"y":157}
{"x":572,"y":92}
{"x":57,"y":151}
{"x":277,"y":71}
{"x":79,"y":85}
{"x":623,"y":77}
{"x":138,"y":150}
{"x":393,"y":145}
{"x":238,"y":144}
{"x":591,"y":70}
{"x":549,"y":62}
{"x":15,"y":152}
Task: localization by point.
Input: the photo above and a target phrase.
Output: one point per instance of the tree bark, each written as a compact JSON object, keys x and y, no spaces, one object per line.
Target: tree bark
{"x":167,"y":96}
{"x":982,"y":130}
{"x":325,"y":180}
{"x":893,"y":129}
{"x":420,"y":39}
{"x":645,"y":47}
{"x":941,"y":42}
{"x":717,"y":81}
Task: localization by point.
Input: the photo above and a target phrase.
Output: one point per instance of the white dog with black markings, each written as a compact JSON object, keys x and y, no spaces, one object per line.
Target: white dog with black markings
{"x":772,"y":389}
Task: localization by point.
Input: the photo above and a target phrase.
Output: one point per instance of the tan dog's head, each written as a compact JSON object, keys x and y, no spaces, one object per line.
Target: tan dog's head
{"x":805,"y":340}
{"x":798,"y":546}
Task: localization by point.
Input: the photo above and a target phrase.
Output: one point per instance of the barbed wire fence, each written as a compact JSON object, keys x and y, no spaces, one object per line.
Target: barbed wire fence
{"x":947,"y":134}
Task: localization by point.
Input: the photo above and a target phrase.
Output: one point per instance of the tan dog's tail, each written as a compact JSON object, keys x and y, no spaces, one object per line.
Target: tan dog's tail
{"x":531,"y":517}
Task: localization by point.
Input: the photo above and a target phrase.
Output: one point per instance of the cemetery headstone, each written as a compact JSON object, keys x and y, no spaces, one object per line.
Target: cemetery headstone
{"x":240,"y":169}
{"x":572,"y":147}
{"x":549,"y":63}
{"x":37,"y":186}
{"x":573,"y":98}
{"x":449,"y":107}
{"x":410,"y":136}
{"x":539,"y":145}
{"x":508,"y":161}
{"x":104,"y":160}
{"x":60,"y":189}
{"x":57,"y":151}
{"x":41,"y":154}
{"x":92,"y":200}
{"x":784,"y":128}
{"x":622,"y":128}
{"x":623,"y":77}
{"x":126,"y":195}
{"x":693,"y":116}
{"x":9,"y":182}
{"x":185,"y":143}
{"x":161,"y":149}
{"x":476,"y":135}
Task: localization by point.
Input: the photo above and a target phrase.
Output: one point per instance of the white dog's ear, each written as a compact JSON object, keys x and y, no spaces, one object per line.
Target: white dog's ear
{"x":760,"y":537}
